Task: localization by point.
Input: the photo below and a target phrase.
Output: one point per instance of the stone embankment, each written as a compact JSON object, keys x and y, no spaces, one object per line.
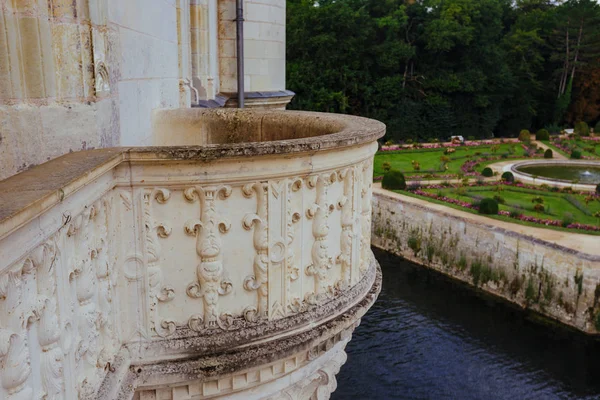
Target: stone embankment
{"x":552,"y":273}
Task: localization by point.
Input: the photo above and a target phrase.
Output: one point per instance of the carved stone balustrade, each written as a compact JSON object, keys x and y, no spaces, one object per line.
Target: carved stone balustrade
{"x":234,"y":263}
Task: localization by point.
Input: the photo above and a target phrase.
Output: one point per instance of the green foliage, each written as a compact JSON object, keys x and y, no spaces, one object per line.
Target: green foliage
{"x":414,"y":241}
{"x":567,"y":219}
{"x":499,"y":199}
{"x":462,"y":261}
{"x":508,"y":177}
{"x":562,"y":103}
{"x":598,"y":189}
{"x":597,"y":128}
{"x":393,"y":180}
{"x":487,"y":172}
{"x":530,"y":294}
{"x":435,"y":68}
{"x":524,"y":136}
{"x":582,"y":128}
{"x":488,"y":206}
{"x":576,"y":154}
{"x":386,"y":166}
{"x":542,"y":134}
{"x":548,"y":153}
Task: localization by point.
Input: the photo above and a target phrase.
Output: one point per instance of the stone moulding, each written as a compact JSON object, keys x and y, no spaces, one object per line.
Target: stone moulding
{"x":235,"y":260}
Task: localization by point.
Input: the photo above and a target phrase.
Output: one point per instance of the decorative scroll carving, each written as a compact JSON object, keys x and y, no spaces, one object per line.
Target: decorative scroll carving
{"x":106,"y":283}
{"x":346,"y":204}
{"x":292,"y":271}
{"x":86,"y":350}
{"x":259,"y":280}
{"x":210,"y":283}
{"x":14,"y":352}
{"x":321,"y":260}
{"x":44,"y":260}
{"x":365,"y":218}
{"x":154,"y":230}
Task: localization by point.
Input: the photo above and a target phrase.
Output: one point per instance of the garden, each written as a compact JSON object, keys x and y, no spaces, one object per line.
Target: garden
{"x":450,"y":160}
{"x":467,"y":182}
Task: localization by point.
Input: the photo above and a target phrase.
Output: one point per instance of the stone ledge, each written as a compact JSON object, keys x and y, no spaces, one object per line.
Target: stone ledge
{"x":28,"y":194}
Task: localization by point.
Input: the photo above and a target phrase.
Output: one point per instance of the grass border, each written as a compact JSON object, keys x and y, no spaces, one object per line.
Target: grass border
{"x":497,"y":217}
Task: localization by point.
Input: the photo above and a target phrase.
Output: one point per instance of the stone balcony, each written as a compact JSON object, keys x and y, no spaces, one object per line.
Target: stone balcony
{"x":233,"y":264}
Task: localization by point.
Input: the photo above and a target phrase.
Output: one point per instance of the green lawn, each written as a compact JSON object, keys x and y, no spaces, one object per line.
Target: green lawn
{"x":430,"y":162}
{"x":588,"y":148}
{"x":556,"y":205}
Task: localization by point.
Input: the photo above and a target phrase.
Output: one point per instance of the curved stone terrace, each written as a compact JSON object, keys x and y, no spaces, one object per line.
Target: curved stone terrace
{"x":234,"y":263}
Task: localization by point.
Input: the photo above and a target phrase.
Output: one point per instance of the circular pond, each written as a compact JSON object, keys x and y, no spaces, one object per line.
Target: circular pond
{"x":581,"y":174}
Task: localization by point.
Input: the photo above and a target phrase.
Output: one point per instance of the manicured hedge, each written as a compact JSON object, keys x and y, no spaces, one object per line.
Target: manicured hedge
{"x":487,"y":172}
{"x":548,"y":153}
{"x":524,"y":136}
{"x":542,"y":134}
{"x":393,"y":180}
{"x":508,"y":177}
{"x":488,"y":206}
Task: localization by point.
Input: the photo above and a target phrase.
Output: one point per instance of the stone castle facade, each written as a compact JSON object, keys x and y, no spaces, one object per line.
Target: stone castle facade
{"x":87,"y":74}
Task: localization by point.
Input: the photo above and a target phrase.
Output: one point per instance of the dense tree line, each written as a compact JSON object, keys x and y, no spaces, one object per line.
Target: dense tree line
{"x":432,"y":68}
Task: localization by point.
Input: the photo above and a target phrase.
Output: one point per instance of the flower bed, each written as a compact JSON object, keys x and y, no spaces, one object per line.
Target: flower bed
{"x":468,"y":143}
{"x":520,"y":217}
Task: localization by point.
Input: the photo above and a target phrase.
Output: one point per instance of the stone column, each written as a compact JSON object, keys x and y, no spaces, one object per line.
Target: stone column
{"x":264,"y":41}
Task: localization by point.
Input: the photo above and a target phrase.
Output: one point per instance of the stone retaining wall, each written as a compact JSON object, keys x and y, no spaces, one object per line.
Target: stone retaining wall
{"x":558,"y":282}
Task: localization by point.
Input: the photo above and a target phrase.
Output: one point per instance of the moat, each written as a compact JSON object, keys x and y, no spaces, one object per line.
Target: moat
{"x":431,"y":338}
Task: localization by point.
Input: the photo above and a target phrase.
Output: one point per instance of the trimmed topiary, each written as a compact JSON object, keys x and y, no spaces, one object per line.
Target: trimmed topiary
{"x":487,"y":172}
{"x":576,"y":154}
{"x":548,"y":153}
{"x":508,"y":177}
{"x":598,"y":189}
{"x":393,"y":180}
{"x":582,"y":129}
{"x":542,"y":134}
{"x":488,"y":206}
{"x":524,"y":136}
{"x":597,"y":128}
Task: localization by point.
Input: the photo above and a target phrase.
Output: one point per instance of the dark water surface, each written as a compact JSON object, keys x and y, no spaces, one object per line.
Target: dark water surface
{"x":429,"y":338}
{"x":583,"y":174}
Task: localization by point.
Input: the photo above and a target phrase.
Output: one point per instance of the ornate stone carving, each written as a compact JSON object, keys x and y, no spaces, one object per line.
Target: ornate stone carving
{"x":319,"y":213}
{"x":14,"y":352}
{"x":87,"y":314}
{"x":153,"y":230}
{"x":210,"y":283}
{"x":366,"y":172}
{"x":346,"y":204}
{"x":291,"y":270}
{"x":44,"y":260}
{"x":259,"y":280}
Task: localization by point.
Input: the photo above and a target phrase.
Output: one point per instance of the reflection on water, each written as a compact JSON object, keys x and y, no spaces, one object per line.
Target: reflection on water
{"x":429,"y":338}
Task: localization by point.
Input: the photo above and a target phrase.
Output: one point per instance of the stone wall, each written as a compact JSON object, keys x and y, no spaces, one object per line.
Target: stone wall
{"x":85,"y":74}
{"x":553,"y":280}
{"x":221,"y":269}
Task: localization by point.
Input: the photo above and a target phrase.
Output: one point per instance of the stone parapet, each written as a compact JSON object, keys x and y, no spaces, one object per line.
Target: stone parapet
{"x":234,"y":264}
{"x":551,"y":273}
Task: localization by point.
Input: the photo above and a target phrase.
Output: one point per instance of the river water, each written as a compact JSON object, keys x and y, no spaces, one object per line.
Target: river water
{"x":427,"y":337}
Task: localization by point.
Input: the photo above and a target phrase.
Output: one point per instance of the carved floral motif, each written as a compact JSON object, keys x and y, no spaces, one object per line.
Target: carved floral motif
{"x":14,"y":353}
{"x":365,"y":218}
{"x":319,"y":213}
{"x":211,"y":282}
{"x":153,"y":230}
{"x":259,"y":280}
{"x":346,"y":204}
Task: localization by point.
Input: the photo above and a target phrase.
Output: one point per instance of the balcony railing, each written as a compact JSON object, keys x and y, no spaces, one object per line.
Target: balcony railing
{"x":238,"y":257}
